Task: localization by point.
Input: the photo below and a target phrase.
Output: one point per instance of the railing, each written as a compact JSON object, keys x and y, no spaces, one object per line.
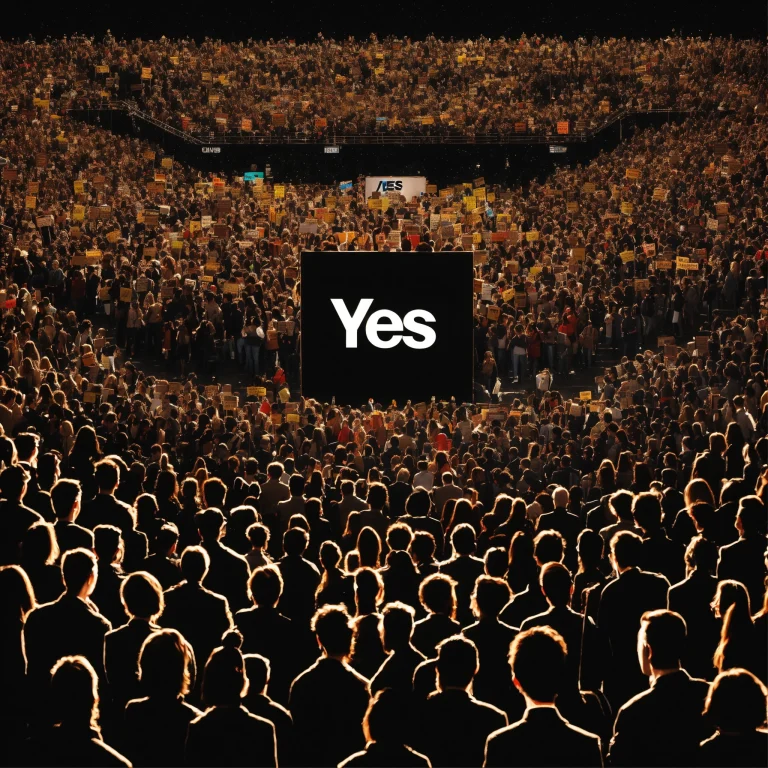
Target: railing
{"x":389,"y":139}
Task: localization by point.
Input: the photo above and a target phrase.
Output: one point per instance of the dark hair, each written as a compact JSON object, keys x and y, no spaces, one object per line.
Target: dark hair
{"x":627,"y":549}
{"x":556,"y":584}
{"x":333,"y":628}
{"x":194,"y":564}
{"x":665,"y":633}
{"x":265,"y":586}
{"x":77,"y":565}
{"x":142,"y":596}
{"x":457,"y":662}
{"x":437,"y":594}
{"x":165,"y":661}
{"x":537,"y":657}
{"x":489,"y":596}
{"x":736,"y":702}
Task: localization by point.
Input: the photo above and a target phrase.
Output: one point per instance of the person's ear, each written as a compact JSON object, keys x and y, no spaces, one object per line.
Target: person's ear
{"x":516,"y":683}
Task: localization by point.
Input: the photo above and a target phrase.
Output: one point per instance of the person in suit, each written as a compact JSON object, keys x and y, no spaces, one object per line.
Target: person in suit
{"x":75,"y":738}
{"x":301,"y":578}
{"x":272,"y":493}
{"x":692,"y":598}
{"x":350,"y":502}
{"x":15,"y":518}
{"x":158,"y":722}
{"x":268,"y":633}
{"x":329,"y":700}
{"x":66,"y":496}
{"x":227,"y":734}
{"x":201,"y":616}
{"x":492,"y":638}
{"x":142,"y":598}
{"x":385,"y":728}
{"x":670,"y":710}
{"x":564,"y":522}
{"x":294,"y":505}
{"x":442,"y":493}
{"x":660,"y":553}
{"x":417,"y":516}
{"x":228,"y":572}
{"x":399,"y":492}
{"x":744,"y":560}
{"x":735,"y":708}
{"x":163,"y":564}
{"x":543,"y":737}
{"x":396,"y":634}
{"x":623,"y":601}
{"x":70,"y":626}
{"x":105,"y":509}
{"x":453,"y":724}
{"x":374,"y":516}
{"x":258,"y":703}
{"x":109,"y":548}
{"x":464,"y":568}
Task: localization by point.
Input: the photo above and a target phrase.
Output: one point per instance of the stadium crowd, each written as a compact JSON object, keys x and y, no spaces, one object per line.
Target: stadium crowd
{"x":197,"y":575}
{"x":529,"y":85}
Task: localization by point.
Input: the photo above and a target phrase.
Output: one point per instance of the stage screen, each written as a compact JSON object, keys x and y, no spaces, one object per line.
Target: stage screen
{"x":386,"y":326}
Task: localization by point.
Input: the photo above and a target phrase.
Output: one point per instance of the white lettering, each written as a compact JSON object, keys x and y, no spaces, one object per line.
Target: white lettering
{"x":351,"y":322}
{"x":387,"y":321}
{"x":409,"y":321}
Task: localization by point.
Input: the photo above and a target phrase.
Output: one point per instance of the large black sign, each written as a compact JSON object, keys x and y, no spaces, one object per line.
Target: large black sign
{"x":387,"y":326}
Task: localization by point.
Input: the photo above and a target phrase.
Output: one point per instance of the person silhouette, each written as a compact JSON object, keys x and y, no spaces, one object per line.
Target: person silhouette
{"x":75,"y":737}
{"x":543,"y":737}
{"x":385,"y":727}
{"x":156,"y":725}
{"x":396,"y":672}
{"x":227,"y":734}
{"x":328,"y":700}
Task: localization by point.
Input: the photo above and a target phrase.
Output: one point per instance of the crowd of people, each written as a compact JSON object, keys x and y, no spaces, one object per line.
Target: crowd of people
{"x":529,"y":85}
{"x":192,"y":573}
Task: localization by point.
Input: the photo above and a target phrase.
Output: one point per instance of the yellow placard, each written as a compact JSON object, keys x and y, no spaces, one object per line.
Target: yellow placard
{"x":293,"y":418}
{"x":166,"y":162}
{"x":532,"y":236}
{"x":78,"y":213}
{"x":585,"y":395}
{"x":261,"y":391}
{"x":627,"y":208}
{"x":93,"y":255}
{"x":79,"y":188}
{"x":126,"y":294}
{"x":508,"y":295}
{"x":632,"y":173}
{"x":279,"y":191}
{"x":30,"y":201}
{"x":627,"y":256}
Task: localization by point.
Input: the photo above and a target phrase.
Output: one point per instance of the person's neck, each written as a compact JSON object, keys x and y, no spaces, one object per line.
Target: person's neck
{"x":341,"y":658}
{"x":657,"y":673}
{"x":106,"y":493}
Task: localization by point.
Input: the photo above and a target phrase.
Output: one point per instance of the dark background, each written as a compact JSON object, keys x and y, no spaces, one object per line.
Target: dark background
{"x":441,"y":283}
{"x":338,"y":19}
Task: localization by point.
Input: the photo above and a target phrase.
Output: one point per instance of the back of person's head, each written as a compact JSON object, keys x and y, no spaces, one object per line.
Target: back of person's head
{"x":736,"y":702}
{"x":39,"y":545}
{"x":142,"y":596}
{"x":195,"y":562}
{"x":333,"y":628}
{"x":555,"y":580}
{"x":752,"y":517}
{"x":209,"y":523}
{"x":589,"y":546}
{"x":396,"y":626}
{"x":295,"y":541}
{"x":386,"y":719}
{"x":275,"y":470}
{"x":347,"y":487}
{"x":258,"y":535}
{"x":437,"y":594}
{"x":463,"y":539}
{"x":663,"y":633}
{"x":701,"y":554}
{"x":537,"y":658}
{"x":621,"y":504}
{"x":259,"y":670}
{"x":369,"y":588}
{"x":330,"y":555}
{"x":549,"y":547}
{"x":627,"y":549}
{"x":296,"y":485}
{"x":399,"y":536}
{"x":64,"y":495}
{"x":74,"y":692}
{"x":225,"y":682}
{"x":423,"y":546}
{"x":496,"y":562}
{"x":646,"y":509}
{"x":489,"y":597}
{"x":560,"y":497}
{"x":165,"y":661}
{"x":703,"y":516}
{"x":377,"y":495}
{"x":106,"y":474}
{"x":214,"y":492}
{"x":369,"y":547}
{"x":265,"y":586}
{"x":77,"y":566}
{"x":167,"y":538}
{"x":13,"y":482}
{"x":418,"y":503}
{"x":457,"y":662}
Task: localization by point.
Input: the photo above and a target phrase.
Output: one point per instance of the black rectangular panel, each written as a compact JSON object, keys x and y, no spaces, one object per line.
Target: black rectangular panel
{"x":409,"y":322}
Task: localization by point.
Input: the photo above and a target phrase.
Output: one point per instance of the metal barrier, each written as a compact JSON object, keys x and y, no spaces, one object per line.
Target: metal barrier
{"x":374,"y":139}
